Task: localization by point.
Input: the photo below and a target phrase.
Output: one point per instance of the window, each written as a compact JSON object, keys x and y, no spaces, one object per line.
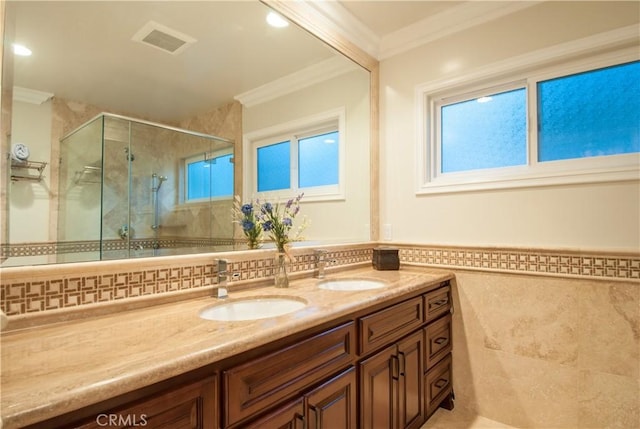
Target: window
{"x":579,"y":122}
{"x":486,"y":132}
{"x":595,"y":113}
{"x":301,"y":156}
{"x":208,"y":176}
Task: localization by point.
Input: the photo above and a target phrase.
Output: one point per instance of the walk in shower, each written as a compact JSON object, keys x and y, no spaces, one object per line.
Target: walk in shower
{"x":131,"y":188}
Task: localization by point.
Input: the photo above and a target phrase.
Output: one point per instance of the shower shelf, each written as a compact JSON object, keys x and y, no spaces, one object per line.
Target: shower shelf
{"x":88,"y":174}
{"x":27,"y":170}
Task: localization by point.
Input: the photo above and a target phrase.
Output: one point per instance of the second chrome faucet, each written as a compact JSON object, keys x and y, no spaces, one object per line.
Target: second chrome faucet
{"x":223,"y":278}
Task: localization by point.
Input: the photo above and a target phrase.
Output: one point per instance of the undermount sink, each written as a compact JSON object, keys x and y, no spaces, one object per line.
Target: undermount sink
{"x":351,"y":284}
{"x":252,"y":309}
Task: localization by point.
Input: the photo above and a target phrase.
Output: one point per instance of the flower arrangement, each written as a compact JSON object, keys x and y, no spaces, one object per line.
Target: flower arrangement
{"x":245,"y":215}
{"x":277,"y":221}
{"x":257,"y":218}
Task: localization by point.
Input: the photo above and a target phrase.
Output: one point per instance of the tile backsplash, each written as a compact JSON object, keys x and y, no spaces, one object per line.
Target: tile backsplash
{"x":29,"y":290}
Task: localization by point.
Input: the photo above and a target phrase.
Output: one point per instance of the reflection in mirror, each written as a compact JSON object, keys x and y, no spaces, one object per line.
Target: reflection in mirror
{"x":134,"y":189}
{"x":143,"y":148}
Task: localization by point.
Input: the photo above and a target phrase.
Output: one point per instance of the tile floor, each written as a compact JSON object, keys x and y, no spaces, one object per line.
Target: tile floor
{"x":443,"y":419}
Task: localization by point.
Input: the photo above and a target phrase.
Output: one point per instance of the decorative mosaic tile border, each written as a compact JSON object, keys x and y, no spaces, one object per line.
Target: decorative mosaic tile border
{"x":52,"y":248}
{"x":547,"y":262}
{"x":22,"y":296}
{"x":30,"y":296}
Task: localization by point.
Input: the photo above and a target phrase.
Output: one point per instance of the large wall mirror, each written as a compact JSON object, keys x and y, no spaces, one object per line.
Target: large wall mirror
{"x":131,"y":125}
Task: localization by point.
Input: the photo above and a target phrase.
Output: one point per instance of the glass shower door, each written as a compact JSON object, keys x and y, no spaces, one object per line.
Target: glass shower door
{"x":80,"y":190}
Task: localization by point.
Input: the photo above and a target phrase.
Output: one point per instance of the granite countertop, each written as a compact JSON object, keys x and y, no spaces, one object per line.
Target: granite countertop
{"x":56,"y":368}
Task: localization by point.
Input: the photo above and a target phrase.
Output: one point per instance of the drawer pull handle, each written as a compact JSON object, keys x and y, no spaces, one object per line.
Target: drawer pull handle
{"x":441,"y":340}
{"x":440,"y":302}
{"x":441,"y":383}
{"x":402,"y":364}
{"x":298,"y":418}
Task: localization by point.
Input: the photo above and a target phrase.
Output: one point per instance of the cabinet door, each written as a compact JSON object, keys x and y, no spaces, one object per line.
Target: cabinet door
{"x":289,"y":416}
{"x":333,"y":404}
{"x":378,"y":390}
{"x":410,"y":386}
{"x":254,"y":386}
{"x":189,"y":407}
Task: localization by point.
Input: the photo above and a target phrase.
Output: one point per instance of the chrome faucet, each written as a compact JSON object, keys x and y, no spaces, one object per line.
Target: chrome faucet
{"x":222,"y":278}
{"x":321,"y":260}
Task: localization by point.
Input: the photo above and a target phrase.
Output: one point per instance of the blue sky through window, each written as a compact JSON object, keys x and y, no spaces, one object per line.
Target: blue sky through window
{"x":488,"y":132}
{"x":211,"y":178}
{"x":589,"y":114}
{"x":274,"y":167}
{"x":318,"y":160}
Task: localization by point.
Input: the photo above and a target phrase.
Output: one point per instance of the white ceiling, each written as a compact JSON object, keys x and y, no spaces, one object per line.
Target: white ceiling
{"x":83,"y":49}
{"x":384,"y":16}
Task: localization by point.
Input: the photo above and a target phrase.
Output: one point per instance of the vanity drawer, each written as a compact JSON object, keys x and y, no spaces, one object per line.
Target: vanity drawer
{"x":437,"y":303}
{"x":386,"y":326}
{"x":438,"y":384}
{"x":262,"y":382}
{"x":437,"y":341}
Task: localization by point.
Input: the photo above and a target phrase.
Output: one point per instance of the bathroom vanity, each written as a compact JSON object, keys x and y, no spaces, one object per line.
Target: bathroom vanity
{"x":374,"y":358}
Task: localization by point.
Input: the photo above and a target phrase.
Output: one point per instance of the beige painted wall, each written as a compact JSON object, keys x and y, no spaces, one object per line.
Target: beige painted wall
{"x":597,"y":216}
{"x":29,"y":201}
{"x":333,"y":220}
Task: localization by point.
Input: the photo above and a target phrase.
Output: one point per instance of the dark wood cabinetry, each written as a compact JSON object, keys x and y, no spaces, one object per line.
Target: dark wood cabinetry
{"x":193,"y":406}
{"x":329,"y":406}
{"x":391,"y":388}
{"x":386,"y":367}
{"x":255,"y":385}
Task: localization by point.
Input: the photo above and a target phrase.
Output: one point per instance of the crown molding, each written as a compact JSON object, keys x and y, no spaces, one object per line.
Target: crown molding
{"x":450,"y":21}
{"x":343,"y":22}
{"x":30,"y":95}
{"x":306,"y":77}
{"x":339,"y":20}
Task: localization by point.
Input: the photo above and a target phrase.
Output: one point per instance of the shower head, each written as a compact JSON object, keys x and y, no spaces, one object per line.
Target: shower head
{"x":160,"y":179}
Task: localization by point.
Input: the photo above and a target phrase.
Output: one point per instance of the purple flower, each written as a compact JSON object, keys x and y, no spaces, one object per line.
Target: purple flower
{"x":289,"y":203}
{"x":247,"y":209}
{"x":267,"y":208}
{"x":247,"y":225}
{"x":287,"y":221}
{"x":267,"y":226}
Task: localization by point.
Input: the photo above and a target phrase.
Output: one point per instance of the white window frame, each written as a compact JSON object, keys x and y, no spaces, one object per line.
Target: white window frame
{"x":525,"y":71}
{"x":185,"y":175}
{"x":293,"y":131}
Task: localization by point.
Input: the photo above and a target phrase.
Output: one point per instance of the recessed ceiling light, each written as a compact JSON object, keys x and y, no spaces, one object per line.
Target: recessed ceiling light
{"x":21,"y":50}
{"x":329,"y":141}
{"x":275,"y":20}
{"x":484,"y":99}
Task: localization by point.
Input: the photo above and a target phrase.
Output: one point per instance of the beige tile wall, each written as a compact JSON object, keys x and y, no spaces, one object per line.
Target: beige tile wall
{"x":539,"y":352}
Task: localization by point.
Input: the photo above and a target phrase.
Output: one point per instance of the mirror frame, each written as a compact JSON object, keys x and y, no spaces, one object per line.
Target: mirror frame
{"x":309,"y":19}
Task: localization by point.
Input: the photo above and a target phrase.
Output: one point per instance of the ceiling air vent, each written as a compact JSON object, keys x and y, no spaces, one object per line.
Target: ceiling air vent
{"x":164,"y":38}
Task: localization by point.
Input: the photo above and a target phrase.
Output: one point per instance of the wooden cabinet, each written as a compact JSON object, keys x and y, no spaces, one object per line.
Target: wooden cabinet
{"x":332,"y":405}
{"x":387,"y":367}
{"x":391,"y":391}
{"x":193,"y":406}
{"x":437,"y":341}
{"x":257,"y":384}
{"x":438,"y":386}
{"x":404,"y":383}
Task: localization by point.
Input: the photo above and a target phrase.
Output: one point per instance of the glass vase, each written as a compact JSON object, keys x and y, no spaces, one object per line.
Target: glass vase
{"x":281,"y":266}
